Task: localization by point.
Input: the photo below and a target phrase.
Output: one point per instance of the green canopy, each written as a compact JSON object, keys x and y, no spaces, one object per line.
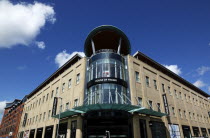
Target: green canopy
{"x":122,"y":107}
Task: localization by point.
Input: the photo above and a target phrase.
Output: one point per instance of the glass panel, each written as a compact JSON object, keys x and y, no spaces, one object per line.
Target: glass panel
{"x":107,"y":93}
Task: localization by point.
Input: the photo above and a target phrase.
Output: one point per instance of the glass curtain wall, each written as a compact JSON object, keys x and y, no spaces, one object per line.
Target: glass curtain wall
{"x":107,"y":93}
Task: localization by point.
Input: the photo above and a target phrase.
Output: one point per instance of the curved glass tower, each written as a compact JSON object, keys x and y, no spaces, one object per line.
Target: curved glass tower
{"x":106,"y":47}
{"x":107,"y":90}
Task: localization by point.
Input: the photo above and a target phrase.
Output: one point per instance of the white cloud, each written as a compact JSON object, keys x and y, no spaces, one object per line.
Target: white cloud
{"x":199,"y":84}
{"x":174,"y":68}
{"x":40,"y":44}
{"x":202,"y":70}
{"x":20,"y":23}
{"x":62,"y":57}
{"x":2,"y":106}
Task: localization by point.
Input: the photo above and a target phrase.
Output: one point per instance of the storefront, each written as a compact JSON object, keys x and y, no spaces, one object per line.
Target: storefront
{"x":196,"y":131}
{"x":158,"y":129}
{"x":98,"y":124}
{"x":48,"y":132}
{"x":39,"y":132}
{"x":32,"y":133}
{"x":186,"y":131}
{"x":204,"y":132}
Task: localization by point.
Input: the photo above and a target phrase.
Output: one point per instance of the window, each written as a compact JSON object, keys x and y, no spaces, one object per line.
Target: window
{"x":140,"y":101}
{"x":69,"y":84}
{"x":158,"y":106}
{"x":137,"y":76}
{"x":185,"y":116}
{"x":67,"y":106}
{"x":61,"y":107}
{"x":163,"y":87}
{"x":40,"y":117}
{"x":63,"y":87}
{"x":150,"y":104}
{"x":190,"y":115}
{"x":180,"y":95}
{"x":155,"y":84}
{"x":43,"y":99}
{"x":169,"y":90}
{"x":39,"y":101}
{"x":52,"y":93}
{"x":75,"y":102}
{"x":185,"y":96}
{"x":44,"y":116}
{"x":78,"y":78}
{"x":173,"y":111}
{"x":147,"y":81}
{"x":47,"y":96}
{"x":49,"y":113}
{"x":175,"y":93}
{"x":56,"y":93}
{"x":180,"y":113}
{"x":36,"y":118}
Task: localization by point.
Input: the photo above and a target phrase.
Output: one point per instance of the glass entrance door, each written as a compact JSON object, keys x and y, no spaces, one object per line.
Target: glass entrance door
{"x":107,"y":125}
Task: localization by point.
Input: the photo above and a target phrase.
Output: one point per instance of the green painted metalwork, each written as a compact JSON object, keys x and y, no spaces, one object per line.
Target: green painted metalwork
{"x":98,"y":107}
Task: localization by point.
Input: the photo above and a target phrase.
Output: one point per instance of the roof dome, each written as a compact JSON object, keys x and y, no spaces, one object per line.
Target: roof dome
{"x":107,"y":37}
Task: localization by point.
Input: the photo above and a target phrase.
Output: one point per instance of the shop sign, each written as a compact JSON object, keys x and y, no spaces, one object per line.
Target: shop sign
{"x":55,"y":102}
{"x":165,"y":102}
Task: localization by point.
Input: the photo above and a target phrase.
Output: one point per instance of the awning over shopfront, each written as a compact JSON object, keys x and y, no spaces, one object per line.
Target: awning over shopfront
{"x":122,"y":107}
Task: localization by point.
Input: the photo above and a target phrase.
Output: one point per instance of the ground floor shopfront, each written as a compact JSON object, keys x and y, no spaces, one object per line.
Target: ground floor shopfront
{"x":114,"y":124}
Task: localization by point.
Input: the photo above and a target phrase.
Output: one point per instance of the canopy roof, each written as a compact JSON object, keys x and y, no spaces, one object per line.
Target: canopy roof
{"x":122,"y":107}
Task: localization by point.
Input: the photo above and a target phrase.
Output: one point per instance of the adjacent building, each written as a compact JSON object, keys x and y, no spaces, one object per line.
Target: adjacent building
{"x":110,"y":93}
{"x":11,"y":118}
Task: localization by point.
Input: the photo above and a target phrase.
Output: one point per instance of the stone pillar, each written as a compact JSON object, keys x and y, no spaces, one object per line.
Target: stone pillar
{"x":79,"y":127}
{"x":136,"y":127}
{"x":43,"y":132}
{"x":69,"y":128}
{"x":54,"y":131}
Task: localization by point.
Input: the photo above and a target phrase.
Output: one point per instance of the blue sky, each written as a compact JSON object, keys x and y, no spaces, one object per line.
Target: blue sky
{"x":170,"y":32}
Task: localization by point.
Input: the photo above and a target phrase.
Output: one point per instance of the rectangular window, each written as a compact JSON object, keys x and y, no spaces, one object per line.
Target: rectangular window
{"x":163,"y":87}
{"x":180,"y":95}
{"x":47,"y":96}
{"x":155,"y":84}
{"x":56,"y":93}
{"x":39,"y":101}
{"x":36,"y":118}
{"x":78,"y":78}
{"x":169,"y":90}
{"x":52,"y":93}
{"x":43,"y":99}
{"x":137,"y":76}
{"x":63,"y":87}
{"x":185,"y":116}
{"x":44,"y":116}
{"x":75,"y":102}
{"x":173,"y":111}
{"x":147,"y":81}
{"x":150,"y":105}
{"x":180,"y":113}
{"x":67,"y":106}
{"x":158,"y":106}
{"x":40,"y":117}
{"x":49,"y":113}
{"x":175,"y":93}
{"x":140,"y":101}
{"x":69,"y":84}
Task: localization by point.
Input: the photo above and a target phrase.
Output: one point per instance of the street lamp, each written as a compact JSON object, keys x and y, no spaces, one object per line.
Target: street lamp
{"x":59,"y":117}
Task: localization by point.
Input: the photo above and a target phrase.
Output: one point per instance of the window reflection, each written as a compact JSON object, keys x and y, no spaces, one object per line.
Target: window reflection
{"x":107,"y":68}
{"x":107,"y":93}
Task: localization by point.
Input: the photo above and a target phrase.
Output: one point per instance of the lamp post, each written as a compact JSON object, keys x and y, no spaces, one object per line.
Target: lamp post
{"x":59,"y":118}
